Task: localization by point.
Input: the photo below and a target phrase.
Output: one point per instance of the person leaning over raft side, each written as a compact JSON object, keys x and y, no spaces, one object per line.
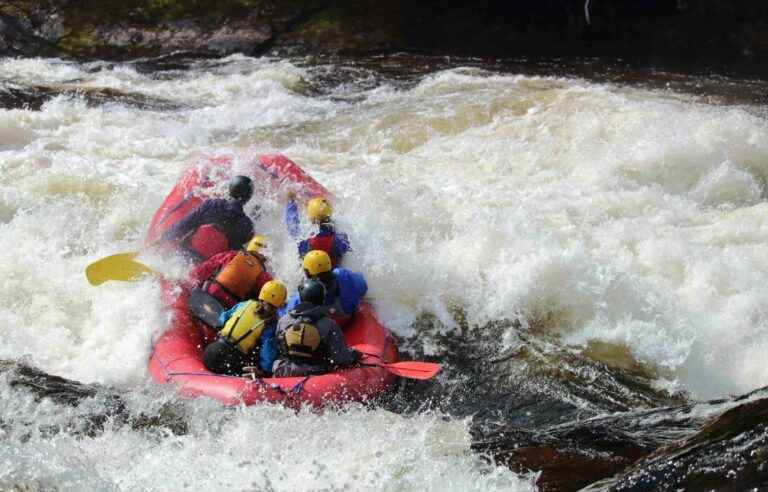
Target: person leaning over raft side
{"x":217,"y":224}
{"x":247,"y":338}
{"x":308,"y":340}
{"x":326,"y":238}
{"x":344,"y":288}
{"x":233,"y":276}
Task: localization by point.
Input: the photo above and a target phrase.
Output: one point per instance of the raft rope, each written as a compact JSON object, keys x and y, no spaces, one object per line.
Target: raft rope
{"x":295,"y":390}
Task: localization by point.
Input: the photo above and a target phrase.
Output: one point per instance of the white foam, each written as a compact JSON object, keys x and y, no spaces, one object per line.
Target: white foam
{"x":596,"y":212}
{"x":593,"y":211}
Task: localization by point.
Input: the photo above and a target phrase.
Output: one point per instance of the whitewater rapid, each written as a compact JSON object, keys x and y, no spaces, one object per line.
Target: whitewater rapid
{"x":588,"y":211}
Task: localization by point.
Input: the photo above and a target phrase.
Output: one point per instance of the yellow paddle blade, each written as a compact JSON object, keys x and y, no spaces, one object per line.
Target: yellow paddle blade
{"x":121,"y":266}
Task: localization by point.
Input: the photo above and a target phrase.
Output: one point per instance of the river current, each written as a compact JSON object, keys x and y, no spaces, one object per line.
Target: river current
{"x":583,"y":211}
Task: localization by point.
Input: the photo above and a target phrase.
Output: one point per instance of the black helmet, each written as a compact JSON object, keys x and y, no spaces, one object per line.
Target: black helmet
{"x":313,"y":292}
{"x":241,"y":188}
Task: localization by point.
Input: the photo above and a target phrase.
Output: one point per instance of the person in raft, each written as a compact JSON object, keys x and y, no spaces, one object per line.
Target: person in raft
{"x":344,"y":288}
{"x":216,"y":225}
{"x":308,"y":340}
{"x":326,"y":238}
{"x":234,"y":276}
{"x":247,"y":336}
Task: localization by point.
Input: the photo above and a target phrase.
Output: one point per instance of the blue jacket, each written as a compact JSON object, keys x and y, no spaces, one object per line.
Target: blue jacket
{"x":340,"y":240}
{"x":352,"y":288}
{"x":267,"y":346}
{"x":226,"y":214}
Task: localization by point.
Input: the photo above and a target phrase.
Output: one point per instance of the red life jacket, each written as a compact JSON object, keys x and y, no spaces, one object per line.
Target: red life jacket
{"x":207,"y":241}
{"x":324,"y":243}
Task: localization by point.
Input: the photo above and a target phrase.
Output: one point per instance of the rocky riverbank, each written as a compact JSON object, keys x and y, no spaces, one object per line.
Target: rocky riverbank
{"x":708,"y":33}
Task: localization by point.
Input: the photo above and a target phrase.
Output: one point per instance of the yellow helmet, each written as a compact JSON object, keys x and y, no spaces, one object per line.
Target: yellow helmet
{"x":318,"y":209}
{"x":316,"y":262}
{"x":273,"y":293}
{"x":256,"y":244}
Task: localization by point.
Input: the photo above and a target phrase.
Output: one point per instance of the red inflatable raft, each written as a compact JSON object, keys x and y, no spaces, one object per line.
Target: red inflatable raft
{"x":176,"y":356}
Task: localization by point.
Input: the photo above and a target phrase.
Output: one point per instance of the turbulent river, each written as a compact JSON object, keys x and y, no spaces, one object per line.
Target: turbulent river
{"x":615,"y":224}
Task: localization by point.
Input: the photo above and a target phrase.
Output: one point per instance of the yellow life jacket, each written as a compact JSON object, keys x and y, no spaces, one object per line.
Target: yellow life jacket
{"x":244,"y":327}
{"x":240,"y":275}
{"x":301,"y":340}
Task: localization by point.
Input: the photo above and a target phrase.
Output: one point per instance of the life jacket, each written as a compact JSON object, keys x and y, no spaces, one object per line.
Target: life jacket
{"x":240,"y":275}
{"x":207,"y":241}
{"x":301,"y":340}
{"x":324,"y":243}
{"x":244,"y":328}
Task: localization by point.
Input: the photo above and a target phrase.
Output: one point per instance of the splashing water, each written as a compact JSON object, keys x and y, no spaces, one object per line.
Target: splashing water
{"x":590,"y":211}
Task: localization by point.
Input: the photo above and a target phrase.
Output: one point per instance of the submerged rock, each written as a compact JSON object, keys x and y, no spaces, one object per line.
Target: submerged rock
{"x":96,"y":406}
{"x":727,"y":453}
{"x":539,"y":406}
{"x":13,"y":96}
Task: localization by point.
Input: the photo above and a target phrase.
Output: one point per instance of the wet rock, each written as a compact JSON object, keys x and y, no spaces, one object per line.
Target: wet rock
{"x":537,"y":405}
{"x":237,"y":39}
{"x":96,"y":405}
{"x":13,"y":96}
{"x":135,"y":28}
{"x":728,"y":453}
{"x":501,"y":372}
{"x":18,"y":98}
{"x":717,"y":445}
{"x":180,"y":36}
{"x":16,"y":40}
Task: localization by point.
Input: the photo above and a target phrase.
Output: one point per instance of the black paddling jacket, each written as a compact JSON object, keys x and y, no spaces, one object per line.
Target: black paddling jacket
{"x":332,"y":347}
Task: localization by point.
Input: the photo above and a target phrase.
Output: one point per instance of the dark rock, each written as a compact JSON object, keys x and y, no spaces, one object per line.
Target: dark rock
{"x":95,"y":405}
{"x":16,"y":40}
{"x":703,"y":32}
{"x":237,"y":39}
{"x":14,"y":96}
{"x":717,"y":445}
{"x":728,"y":453}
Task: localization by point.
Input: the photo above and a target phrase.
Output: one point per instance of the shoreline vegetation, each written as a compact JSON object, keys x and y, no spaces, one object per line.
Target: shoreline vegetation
{"x":688,"y":35}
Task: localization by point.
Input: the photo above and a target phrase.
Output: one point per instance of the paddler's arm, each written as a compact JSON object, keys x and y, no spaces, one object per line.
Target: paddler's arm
{"x":292,"y":222}
{"x":340,"y":244}
{"x":189,"y":223}
{"x":338,"y":352}
{"x":268,"y":350}
{"x":352,"y":288}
